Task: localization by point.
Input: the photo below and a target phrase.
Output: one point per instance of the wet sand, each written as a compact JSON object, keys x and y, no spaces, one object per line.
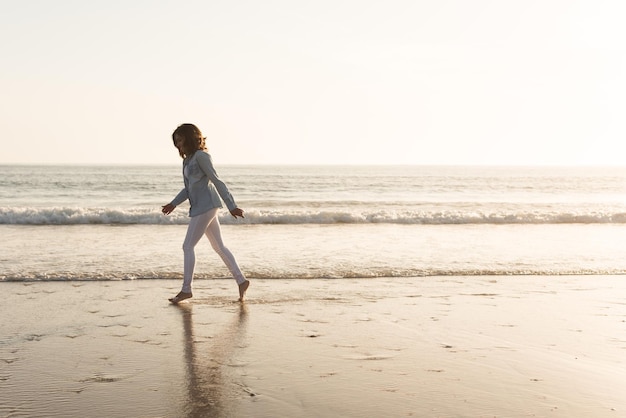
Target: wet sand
{"x":515,"y":346}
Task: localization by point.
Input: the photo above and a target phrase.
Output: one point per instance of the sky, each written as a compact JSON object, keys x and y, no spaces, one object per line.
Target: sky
{"x":504,"y":82}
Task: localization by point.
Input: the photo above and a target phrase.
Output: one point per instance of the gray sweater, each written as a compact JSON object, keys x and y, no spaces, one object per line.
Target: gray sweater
{"x":202,"y":185}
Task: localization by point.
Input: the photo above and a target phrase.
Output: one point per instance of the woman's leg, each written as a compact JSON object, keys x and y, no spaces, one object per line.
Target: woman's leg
{"x":195,"y":230}
{"x":214,"y":234}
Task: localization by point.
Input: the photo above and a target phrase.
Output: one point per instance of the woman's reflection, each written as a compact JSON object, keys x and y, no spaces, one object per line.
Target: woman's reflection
{"x":211,"y":389}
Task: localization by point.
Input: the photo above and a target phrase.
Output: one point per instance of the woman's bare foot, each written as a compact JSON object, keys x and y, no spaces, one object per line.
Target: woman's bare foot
{"x":242,"y":289}
{"x":180,"y":296}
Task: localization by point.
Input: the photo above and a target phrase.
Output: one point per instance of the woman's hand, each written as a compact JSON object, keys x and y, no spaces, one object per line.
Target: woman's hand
{"x":237,"y":212}
{"x":167,"y":209}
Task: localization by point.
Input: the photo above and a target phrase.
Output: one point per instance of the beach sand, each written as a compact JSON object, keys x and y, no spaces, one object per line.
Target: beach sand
{"x":517,"y":346}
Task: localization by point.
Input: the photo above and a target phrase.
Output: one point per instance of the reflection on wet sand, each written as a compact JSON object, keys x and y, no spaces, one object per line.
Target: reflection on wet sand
{"x":211,"y":389}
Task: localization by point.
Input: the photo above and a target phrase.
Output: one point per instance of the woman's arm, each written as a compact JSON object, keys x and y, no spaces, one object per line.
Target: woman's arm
{"x":180,"y":198}
{"x":206,"y":165}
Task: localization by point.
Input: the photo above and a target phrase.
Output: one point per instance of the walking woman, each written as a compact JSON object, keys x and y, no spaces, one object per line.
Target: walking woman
{"x":202,"y":186}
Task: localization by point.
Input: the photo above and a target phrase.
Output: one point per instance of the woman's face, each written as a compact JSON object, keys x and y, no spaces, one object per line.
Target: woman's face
{"x":178,"y":141}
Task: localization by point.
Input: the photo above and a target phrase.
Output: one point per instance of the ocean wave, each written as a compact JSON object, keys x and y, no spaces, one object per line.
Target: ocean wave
{"x":112,"y":216}
{"x":282,"y":275}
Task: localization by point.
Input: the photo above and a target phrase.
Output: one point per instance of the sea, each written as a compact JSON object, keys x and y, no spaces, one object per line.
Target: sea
{"x":71,"y":223}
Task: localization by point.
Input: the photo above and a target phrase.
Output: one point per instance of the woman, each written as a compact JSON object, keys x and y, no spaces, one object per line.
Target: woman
{"x":202,"y":186}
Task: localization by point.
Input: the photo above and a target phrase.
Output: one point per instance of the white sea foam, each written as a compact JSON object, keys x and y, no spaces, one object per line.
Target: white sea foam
{"x":324,"y":274}
{"x":111,"y":216}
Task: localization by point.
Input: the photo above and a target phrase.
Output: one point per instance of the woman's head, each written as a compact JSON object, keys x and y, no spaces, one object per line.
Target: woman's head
{"x":188,"y":139}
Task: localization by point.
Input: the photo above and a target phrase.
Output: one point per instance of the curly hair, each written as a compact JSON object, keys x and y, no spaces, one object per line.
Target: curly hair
{"x":192,"y":139}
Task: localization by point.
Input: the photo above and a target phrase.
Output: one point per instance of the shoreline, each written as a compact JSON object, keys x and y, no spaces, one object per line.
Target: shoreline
{"x":444,"y":346}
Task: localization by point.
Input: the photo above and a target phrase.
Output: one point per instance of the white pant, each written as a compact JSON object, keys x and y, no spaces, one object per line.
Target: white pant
{"x":206,"y":223}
